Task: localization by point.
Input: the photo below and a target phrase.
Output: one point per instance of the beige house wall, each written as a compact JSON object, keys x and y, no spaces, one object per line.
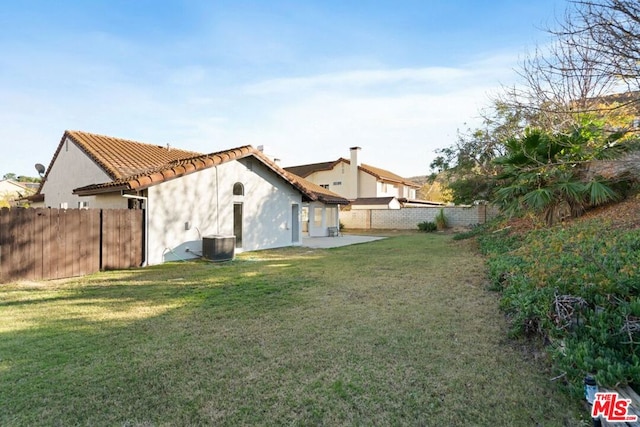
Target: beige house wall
{"x":337,"y":179}
{"x":340,"y":182}
{"x":406,"y":192}
{"x":367,"y":185}
{"x":388,"y":189}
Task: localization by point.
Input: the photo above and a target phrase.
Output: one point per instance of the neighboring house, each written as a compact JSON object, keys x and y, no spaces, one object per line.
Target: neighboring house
{"x":187,"y":195}
{"x":10,"y":191}
{"x":354,"y":181}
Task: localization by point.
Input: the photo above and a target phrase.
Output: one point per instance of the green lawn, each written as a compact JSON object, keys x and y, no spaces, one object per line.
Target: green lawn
{"x":395,"y":332}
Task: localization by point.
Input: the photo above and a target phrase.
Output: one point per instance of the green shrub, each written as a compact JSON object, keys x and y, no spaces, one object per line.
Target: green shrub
{"x":475,"y":230}
{"x":427,"y":226}
{"x":592,"y":263}
{"x":463,"y":235}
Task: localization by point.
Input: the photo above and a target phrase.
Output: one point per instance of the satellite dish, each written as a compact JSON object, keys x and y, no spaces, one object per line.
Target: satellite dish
{"x":40,"y":168}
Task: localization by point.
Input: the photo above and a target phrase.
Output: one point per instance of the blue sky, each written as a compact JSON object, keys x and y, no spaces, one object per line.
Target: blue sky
{"x":305,"y":79}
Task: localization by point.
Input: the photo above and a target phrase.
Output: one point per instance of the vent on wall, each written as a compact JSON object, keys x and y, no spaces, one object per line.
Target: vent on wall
{"x":219,"y":248}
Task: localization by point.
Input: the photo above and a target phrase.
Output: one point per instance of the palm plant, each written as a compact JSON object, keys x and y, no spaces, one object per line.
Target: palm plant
{"x":541,"y":172}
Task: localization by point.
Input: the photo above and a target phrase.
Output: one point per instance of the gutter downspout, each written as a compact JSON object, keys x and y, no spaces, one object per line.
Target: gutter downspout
{"x":146,"y":224}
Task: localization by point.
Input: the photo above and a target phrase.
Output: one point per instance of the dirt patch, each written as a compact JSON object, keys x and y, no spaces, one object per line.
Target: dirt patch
{"x":624,"y":214}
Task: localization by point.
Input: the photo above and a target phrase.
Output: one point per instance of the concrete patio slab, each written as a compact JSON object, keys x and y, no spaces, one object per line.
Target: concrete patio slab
{"x":334,"y":242}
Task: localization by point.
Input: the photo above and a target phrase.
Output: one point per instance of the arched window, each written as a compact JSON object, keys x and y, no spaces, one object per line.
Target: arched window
{"x":238,"y":189}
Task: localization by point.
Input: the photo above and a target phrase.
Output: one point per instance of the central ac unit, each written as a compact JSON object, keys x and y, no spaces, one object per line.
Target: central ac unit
{"x":219,"y":248}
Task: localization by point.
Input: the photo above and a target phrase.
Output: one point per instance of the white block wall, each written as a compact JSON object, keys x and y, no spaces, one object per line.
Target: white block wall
{"x":408,"y":218}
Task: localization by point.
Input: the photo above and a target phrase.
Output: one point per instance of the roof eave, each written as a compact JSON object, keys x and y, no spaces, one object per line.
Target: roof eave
{"x":337,"y":202}
{"x":332,"y":200}
{"x":96,"y":191}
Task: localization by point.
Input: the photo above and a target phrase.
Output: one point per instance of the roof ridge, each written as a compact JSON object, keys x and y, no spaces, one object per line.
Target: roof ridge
{"x":119,"y":156}
{"x":179,"y":162}
{"x":185,"y":166}
{"x":177,"y":167}
{"x":392,"y":176}
{"x":102,"y":157}
{"x":307,"y":169}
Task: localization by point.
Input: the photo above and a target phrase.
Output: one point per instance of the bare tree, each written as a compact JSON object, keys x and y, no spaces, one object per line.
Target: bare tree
{"x":561,"y":81}
{"x":581,"y":91}
{"x":596,"y":53}
{"x":612,"y":28}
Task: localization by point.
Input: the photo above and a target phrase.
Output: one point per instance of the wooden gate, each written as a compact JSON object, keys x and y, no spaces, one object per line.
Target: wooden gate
{"x":122,"y":239}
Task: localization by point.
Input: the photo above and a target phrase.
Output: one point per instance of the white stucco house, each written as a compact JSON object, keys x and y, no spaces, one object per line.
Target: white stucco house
{"x":353,"y":180}
{"x":187,"y":195}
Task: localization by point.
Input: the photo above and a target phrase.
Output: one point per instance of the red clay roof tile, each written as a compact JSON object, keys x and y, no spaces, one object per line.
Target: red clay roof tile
{"x":135,"y":166}
{"x":306,"y":170}
{"x":122,"y":157}
{"x":184,"y":166}
{"x":118,"y":157}
{"x":385,"y":175}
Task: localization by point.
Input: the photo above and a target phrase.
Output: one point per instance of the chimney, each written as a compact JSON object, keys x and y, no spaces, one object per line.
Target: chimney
{"x":353,"y":174}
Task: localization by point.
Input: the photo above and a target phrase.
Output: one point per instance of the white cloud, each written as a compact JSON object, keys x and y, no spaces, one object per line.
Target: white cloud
{"x":397,"y":133}
{"x":358,"y":79}
{"x":398,"y":116}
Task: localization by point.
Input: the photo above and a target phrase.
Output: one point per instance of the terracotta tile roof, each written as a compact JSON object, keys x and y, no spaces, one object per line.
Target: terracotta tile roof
{"x":119,"y":157}
{"x":185,"y":166}
{"x":166,"y":171}
{"x":385,"y":175}
{"x":135,"y":165}
{"x":306,"y":170}
{"x":379,"y":173}
{"x":122,"y":157}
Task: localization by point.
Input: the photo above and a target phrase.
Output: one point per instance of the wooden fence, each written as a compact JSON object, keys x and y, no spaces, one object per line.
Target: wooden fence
{"x":37,"y":244}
